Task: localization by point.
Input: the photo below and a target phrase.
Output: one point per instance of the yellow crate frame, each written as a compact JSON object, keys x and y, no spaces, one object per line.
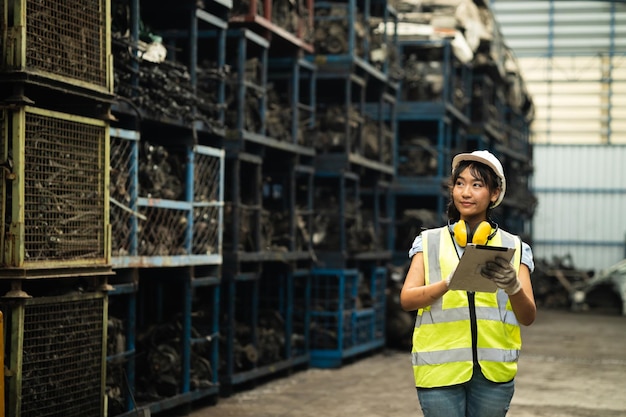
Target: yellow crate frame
{"x":12,"y":241}
{"x":15,"y":40}
{"x":15,"y":343}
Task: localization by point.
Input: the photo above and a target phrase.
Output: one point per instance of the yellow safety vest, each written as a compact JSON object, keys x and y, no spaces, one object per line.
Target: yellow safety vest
{"x":442,"y":353}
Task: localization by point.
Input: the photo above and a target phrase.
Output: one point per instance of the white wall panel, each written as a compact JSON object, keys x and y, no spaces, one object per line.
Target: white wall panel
{"x":581,"y":217}
{"x":581,"y":210}
{"x":587,"y":258}
{"x":574,"y":167}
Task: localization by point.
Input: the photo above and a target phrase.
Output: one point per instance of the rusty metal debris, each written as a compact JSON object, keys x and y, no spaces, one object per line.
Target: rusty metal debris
{"x":159,"y":362}
{"x":555,"y":281}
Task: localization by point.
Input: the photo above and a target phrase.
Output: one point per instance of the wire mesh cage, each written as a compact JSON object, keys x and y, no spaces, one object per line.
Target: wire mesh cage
{"x":346,"y":308}
{"x":165,"y":202}
{"x":55,"y":209}
{"x":333,"y":300}
{"x":208,"y":201}
{"x":56,"y":351}
{"x":123,"y":191}
{"x":64,"y":40}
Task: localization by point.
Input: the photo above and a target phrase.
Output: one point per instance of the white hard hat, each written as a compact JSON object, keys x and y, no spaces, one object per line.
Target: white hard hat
{"x":488,"y":159}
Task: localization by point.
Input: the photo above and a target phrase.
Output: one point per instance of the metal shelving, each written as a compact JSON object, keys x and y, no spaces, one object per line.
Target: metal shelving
{"x":432,"y":111}
{"x":347,"y":315}
{"x":168,"y":202}
{"x":163,"y":341}
{"x":265,"y":325}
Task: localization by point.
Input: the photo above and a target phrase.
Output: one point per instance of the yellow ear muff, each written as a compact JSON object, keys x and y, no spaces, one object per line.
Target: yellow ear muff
{"x":481,"y":235}
{"x":460,"y":233}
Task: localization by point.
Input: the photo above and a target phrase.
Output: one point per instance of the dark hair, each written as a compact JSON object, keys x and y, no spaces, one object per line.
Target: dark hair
{"x":479,"y":170}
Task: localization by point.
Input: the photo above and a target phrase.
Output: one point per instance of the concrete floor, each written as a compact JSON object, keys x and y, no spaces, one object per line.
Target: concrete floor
{"x":572,"y":365}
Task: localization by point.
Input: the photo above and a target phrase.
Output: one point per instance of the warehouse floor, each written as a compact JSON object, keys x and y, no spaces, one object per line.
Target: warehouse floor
{"x":572,"y":365}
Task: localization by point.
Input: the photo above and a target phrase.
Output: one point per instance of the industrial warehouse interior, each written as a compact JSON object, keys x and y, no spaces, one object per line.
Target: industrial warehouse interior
{"x":208,"y":206}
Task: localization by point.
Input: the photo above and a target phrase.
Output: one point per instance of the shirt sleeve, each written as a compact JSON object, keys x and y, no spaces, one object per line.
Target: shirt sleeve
{"x":416,"y":246}
{"x":527,"y":257}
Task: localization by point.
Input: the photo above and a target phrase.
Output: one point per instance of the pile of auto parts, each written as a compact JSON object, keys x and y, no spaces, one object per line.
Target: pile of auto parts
{"x":605,"y":292}
{"x":159,"y":362}
{"x":331,"y":31}
{"x":419,"y":157}
{"x":556,"y":281}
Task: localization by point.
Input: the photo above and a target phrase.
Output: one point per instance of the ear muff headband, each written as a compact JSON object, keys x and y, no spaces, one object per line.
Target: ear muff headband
{"x":483,"y":233}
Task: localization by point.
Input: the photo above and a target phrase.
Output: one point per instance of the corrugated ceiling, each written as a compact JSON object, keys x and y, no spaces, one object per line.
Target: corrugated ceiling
{"x":572,"y":55}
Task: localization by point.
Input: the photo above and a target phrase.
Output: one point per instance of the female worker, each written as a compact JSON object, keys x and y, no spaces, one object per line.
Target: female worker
{"x":466,"y":344}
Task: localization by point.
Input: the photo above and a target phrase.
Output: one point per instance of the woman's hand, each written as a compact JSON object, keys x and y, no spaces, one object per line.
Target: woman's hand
{"x":503,"y":274}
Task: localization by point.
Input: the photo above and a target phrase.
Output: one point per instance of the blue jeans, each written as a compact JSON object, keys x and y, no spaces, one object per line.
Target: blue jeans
{"x":476,"y":398}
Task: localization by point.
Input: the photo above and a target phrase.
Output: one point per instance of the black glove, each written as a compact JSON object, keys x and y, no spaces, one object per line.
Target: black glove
{"x":502,"y":273}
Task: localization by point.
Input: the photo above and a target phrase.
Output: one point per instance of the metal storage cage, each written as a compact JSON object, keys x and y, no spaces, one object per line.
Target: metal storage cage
{"x":347,"y":314}
{"x":194,"y":34}
{"x":351,"y":127}
{"x":247,"y":54}
{"x":338,"y":223}
{"x":163,"y":347}
{"x":265,"y":331}
{"x":55,"y":355}
{"x":379,"y":141}
{"x":67,"y":43}
{"x":432,"y":118}
{"x":377,"y":217}
{"x":165,"y":194}
{"x":487,"y":105}
{"x":55,"y":213}
{"x":291,"y":100}
{"x":287,"y":23}
{"x":121,"y":342}
{"x":435,"y":82}
{"x":242,"y":219}
{"x":160,"y":358}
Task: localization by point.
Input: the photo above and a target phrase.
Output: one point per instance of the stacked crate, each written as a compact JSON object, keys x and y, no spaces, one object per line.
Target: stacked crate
{"x":269,"y":217}
{"x":432,"y":119}
{"x":199,"y":214}
{"x":355,"y":100}
{"x":167,"y":204}
{"x":55,"y":88}
{"x":452,"y":98}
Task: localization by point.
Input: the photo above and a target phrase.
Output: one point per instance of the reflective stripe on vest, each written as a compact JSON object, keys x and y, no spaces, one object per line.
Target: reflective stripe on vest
{"x":442,"y":341}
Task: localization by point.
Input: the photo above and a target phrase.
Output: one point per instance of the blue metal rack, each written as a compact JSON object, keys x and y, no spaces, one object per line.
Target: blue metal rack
{"x":121,"y":360}
{"x":248,"y":56}
{"x":197,"y":37}
{"x":188,"y":329}
{"x":376,"y":213}
{"x":487,"y":115}
{"x":266,"y":326}
{"x":446,"y":110}
{"x":193,"y":223}
{"x":343,"y":62}
{"x":347,"y":314}
{"x":296,"y":79}
{"x":431,"y":126}
{"x":380,"y":108}
{"x":269,"y":209}
{"x":337,"y":218}
{"x":437,"y":59}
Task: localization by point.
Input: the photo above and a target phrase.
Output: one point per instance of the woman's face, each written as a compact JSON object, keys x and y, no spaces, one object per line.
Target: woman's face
{"x":472,"y":196}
